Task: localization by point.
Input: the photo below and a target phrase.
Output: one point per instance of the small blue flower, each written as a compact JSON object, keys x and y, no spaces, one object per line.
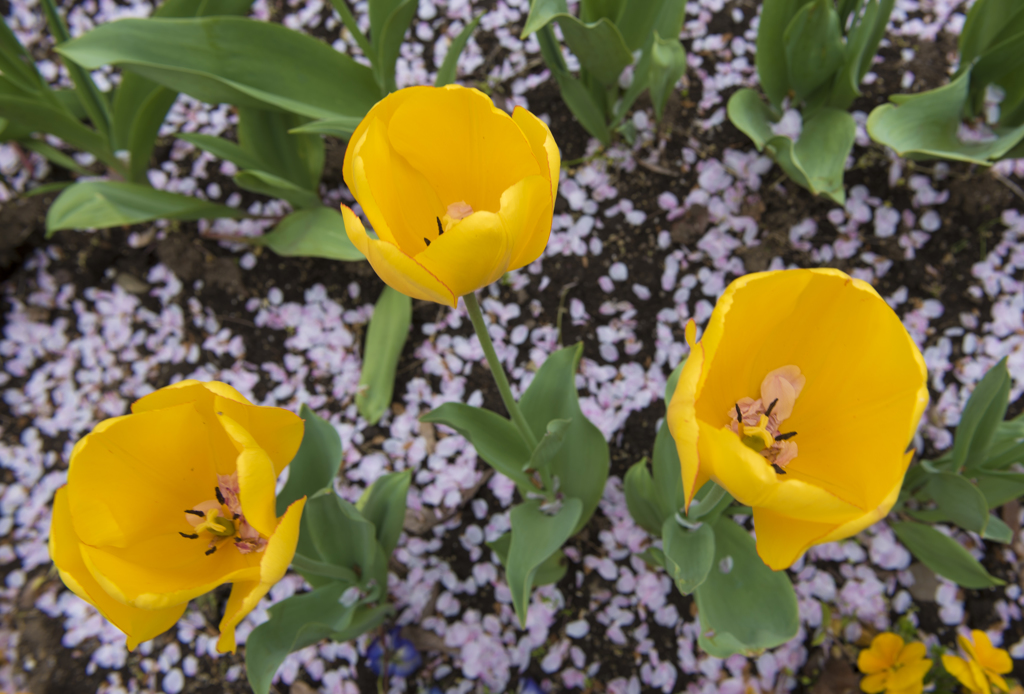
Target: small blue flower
{"x":403,"y":658}
{"x":528,"y":686}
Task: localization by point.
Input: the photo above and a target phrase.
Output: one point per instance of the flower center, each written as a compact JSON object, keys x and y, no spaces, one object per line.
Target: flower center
{"x":220,"y":520}
{"x":758,"y":422}
{"x":457,"y":211}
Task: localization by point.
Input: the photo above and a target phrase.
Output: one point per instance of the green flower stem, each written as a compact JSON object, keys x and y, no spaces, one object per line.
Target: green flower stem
{"x":710,"y":502}
{"x":477,"y":317}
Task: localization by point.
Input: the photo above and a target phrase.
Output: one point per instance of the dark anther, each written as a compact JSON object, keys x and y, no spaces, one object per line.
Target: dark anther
{"x":193,"y":536}
{"x":426,"y":241}
{"x":440,"y":229}
{"x":739,"y":415}
{"x":194,"y":512}
{"x":235,"y":517}
{"x":768,"y":412}
{"x":783,"y":437}
{"x":778,"y":470}
{"x":220,"y":497}
{"x":238,"y":539}
{"x":211,"y":551}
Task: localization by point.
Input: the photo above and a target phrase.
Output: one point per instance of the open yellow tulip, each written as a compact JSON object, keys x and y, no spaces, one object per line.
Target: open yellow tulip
{"x":169,"y":502}
{"x":800,"y":400}
{"x":457,"y":191}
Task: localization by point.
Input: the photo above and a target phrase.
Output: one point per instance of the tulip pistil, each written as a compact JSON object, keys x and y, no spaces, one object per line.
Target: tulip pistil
{"x":758,"y":426}
{"x":221,"y":519}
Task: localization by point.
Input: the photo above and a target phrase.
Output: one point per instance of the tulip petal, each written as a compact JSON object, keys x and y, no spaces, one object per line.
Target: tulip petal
{"x":245,"y":595}
{"x":526,"y":210}
{"x":138,"y":625}
{"x":682,"y":422}
{"x":398,"y":270}
{"x":782,"y":540}
{"x":465,"y":147}
{"x":256,"y":479}
{"x":543,"y":144}
{"x":127,"y":482}
{"x":383,"y":110}
{"x":274,"y":429}
{"x":470,"y":255}
{"x":871,"y":516}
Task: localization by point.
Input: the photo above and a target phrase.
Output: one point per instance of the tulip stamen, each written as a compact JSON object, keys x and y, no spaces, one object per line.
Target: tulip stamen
{"x":426,"y":241}
{"x":187,"y":536}
{"x":780,"y":390}
{"x":194,"y":512}
{"x":783,"y":437}
{"x":220,"y":496}
{"x":211,"y":550}
{"x":768,"y":412}
{"x":778,"y":470}
{"x":440,"y":227}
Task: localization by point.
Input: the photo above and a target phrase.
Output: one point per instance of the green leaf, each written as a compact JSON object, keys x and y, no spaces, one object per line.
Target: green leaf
{"x":999,"y":486}
{"x":45,"y":188}
{"x":944,"y":555}
{"x":385,"y":338}
{"x":343,"y":537}
{"x":581,"y":463}
{"x":54,"y":155}
{"x":446,"y":74}
{"x":668,"y":64}
{"x":298,"y":158}
{"x":383,"y":504}
{"x":593,"y":10}
{"x":341,"y":127}
{"x":17,"y":65}
{"x":224,"y":60}
{"x":315,"y":464}
{"x":985,"y":22}
{"x":667,"y":471}
{"x":959,"y":500}
{"x":998,"y":531}
{"x":638,"y":487}
{"x":751,"y":116}
{"x":689,"y":554}
{"x":743,"y":606}
{"x":1007,"y":446}
{"x":535,"y":537}
{"x":583,"y":107}
{"x":925,"y":125}
{"x":859,"y":51}
{"x":653,"y":556}
{"x":814,"y":47}
{"x":266,"y":183}
{"x":388,"y":41}
{"x":771,"y":47}
{"x":349,"y":20}
{"x":100,"y":204}
{"x":982,"y":415}
{"x":494,"y":437}
{"x":38,"y":116}
{"x":548,"y":446}
{"x":145,"y":114}
{"x":599,"y":46}
{"x":639,"y":18}
{"x":550,"y":571}
{"x":818,"y":159}
{"x":316,"y":232}
{"x":223,"y":149}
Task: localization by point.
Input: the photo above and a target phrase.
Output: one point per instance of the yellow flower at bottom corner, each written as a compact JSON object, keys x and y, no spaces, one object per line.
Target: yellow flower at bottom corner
{"x":457,"y":191}
{"x":166,"y":503}
{"x":800,"y":400}
{"x":981,"y":670}
{"x":892,"y":666}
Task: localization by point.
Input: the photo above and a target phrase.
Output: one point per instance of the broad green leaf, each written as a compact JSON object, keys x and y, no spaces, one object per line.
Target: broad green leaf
{"x":752,"y":116}
{"x":982,"y":415}
{"x":959,"y":500}
{"x":223,"y":149}
{"x":638,"y":487}
{"x":653,"y":556}
{"x":1000,"y":65}
{"x":814,"y":47}
{"x":494,"y":437}
{"x":385,"y":338}
{"x":145,"y":115}
{"x":944,"y":555}
{"x":640,"y":18}
{"x":589,"y":114}
{"x":846,"y":86}
{"x":818,"y":159}
{"x":542,"y":13}
{"x":771,"y":47}
{"x":266,"y":183}
{"x":925,"y":125}
{"x":689,"y":554}
{"x":341,"y":127}
{"x":38,"y":116}
{"x":16,"y":64}
{"x":45,"y":188}
{"x":317,"y":232}
{"x":101,"y":204}
{"x":998,"y":531}
{"x":383,"y":504}
{"x":985,"y":22}
{"x":581,"y":464}
{"x":668,"y":63}
{"x":446,"y":74}
{"x":380,"y":12}
{"x":55,"y":156}
{"x":593,"y":10}
{"x":1007,"y":446}
{"x":535,"y":537}
{"x":295,"y":622}
{"x":315,"y":464}
{"x":350,"y":22}
{"x":743,"y":606}
{"x":388,"y":41}
{"x":999,"y":486}
{"x":224,"y":60}
{"x":667,"y":474}
{"x":298,"y":158}
{"x":550,"y":571}
{"x":343,"y":537}
{"x":600,"y":47}
{"x":548,"y":445}
{"x":202,"y":8}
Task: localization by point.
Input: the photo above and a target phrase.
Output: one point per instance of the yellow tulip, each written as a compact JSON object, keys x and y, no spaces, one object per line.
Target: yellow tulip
{"x":457,"y":191}
{"x":892,"y":667}
{"x":984,"y":664}
{"x":800,"y":400}
{"x":169,"y":502}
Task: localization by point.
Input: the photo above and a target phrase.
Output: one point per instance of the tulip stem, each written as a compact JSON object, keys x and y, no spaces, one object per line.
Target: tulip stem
{"x":500,"y":378}
{"x":710,"y":502}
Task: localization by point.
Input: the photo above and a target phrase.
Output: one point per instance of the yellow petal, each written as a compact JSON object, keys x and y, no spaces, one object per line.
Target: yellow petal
{"x":466,"y":148}
{"x":245,"y":595}
{"x":873,"y":684}
{"x":912,"y":652}
{"x":383,"y":110}
{"x":989,"y":657}
{"x":526,"y":210}
{"x":256,"y":479}
{"x":398,"y":270}
{"x":782,"y":540}
{"x":911,"y":674}
{"x":681,"y":420}
{"x":965,"y":674}
{"x":543,"y":144}
{"x":274,"y":429}
{"x":871,"y":516}
{"x":136,"y":475}
{"x":139,"y":625}
{"x":470,"y":255}
{"x":997,"y":681}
